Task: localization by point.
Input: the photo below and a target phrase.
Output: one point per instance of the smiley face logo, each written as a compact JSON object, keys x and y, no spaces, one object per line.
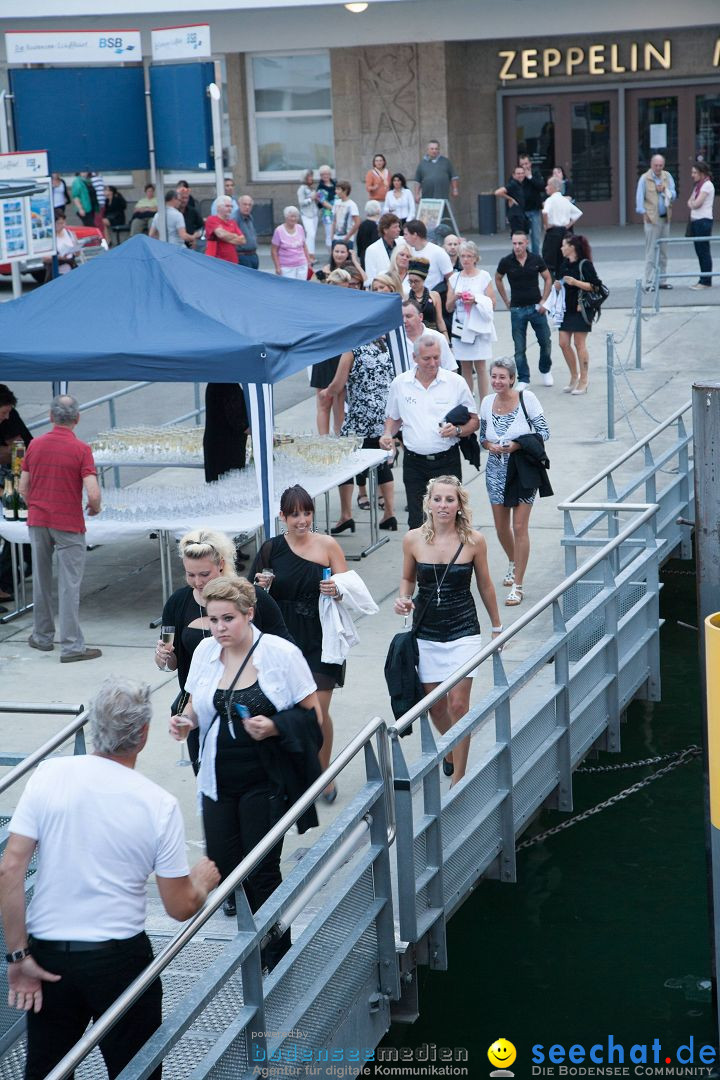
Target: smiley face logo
{"x":501,"y":1054}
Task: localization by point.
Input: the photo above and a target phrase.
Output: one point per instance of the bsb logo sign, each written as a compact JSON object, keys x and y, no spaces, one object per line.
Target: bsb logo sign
{"x":73,"y":46}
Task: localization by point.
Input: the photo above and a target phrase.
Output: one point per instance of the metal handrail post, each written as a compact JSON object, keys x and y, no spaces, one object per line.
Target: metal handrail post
{"x":610,"y":360}
{"x":43,"y":751}
{"x":656,"y":275}
{"x":196,"y":391}
{"x":638,"y":324}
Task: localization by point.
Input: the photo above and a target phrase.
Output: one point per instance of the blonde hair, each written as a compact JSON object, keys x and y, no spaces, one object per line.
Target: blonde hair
{"x":391,"y":280}
{"x":235,"y":590}
{"x":207,"y":544}
{"x":393,"y":257}
{"x":463,"y":521}
{"x":338,"y":277}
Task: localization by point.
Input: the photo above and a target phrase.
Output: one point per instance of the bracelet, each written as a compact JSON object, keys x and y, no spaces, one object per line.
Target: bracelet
{"x":496,"y":629}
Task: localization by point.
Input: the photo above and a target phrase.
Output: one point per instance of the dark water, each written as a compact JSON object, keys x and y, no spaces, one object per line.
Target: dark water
{"x":606,"y":931}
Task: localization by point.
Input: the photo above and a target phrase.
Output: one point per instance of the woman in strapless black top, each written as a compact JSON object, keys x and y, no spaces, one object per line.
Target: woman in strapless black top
{"x":441,"y":557}
{"x":205,"y":555}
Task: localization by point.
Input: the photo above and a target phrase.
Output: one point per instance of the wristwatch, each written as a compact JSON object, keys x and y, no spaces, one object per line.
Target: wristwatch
{"x":16,"y":956}
{"x":458,"y":429}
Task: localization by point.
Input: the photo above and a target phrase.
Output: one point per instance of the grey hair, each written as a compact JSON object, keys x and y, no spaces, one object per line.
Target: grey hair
{"x":508,"y":364}
{"x":290,"y":210}
{"x":64,"y":409}
{"x":372,"y":207}
{"x":424,"y":339}
{"x":555,"y":182}
{"x":119,"y":714}
{"x":471,"y":248}
{"x":226,"y":200}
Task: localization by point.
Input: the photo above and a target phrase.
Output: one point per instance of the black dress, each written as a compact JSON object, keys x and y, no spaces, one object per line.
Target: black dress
{"x":455,"y":616}
{"x":426,"y":308}
{"x":573,"y":320}
{"x":296,"y":591}
{"x":226,"y":422}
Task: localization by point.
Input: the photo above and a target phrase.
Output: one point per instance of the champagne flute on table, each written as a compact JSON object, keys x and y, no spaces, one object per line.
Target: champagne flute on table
{"x":167,"y":636}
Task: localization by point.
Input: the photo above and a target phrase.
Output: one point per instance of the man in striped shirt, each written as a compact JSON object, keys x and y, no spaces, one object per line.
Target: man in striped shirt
{"x":57,"y":469}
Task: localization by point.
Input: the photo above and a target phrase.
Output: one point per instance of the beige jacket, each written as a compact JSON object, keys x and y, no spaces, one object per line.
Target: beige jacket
{"x":651,"y":199}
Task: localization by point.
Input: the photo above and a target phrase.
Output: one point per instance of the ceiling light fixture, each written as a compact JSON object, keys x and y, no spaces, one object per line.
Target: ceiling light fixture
{"x":356,"y":8}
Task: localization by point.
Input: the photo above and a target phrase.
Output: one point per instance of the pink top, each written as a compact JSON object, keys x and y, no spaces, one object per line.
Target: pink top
{"x":290,"y":246}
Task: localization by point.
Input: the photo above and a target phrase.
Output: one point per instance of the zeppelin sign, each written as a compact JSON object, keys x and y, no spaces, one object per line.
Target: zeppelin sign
{"x":593,"y":60}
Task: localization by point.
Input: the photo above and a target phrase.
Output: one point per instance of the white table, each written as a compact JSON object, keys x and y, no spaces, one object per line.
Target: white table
{"x":249,"y":521}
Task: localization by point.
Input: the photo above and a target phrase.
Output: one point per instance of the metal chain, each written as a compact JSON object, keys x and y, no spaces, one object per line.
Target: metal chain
{"x":684,"y":756}
{"x":644,"y":761}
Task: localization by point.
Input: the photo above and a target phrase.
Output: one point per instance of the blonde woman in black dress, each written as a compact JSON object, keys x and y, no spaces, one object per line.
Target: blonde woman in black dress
{"x":449,"y":633}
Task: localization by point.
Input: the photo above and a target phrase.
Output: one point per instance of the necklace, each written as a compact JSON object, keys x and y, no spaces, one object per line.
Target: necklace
{"x":439,"y":584}
{"x":201,"y":611}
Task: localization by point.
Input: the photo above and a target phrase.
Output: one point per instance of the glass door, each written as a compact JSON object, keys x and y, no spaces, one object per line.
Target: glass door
{"x":654,"y":126}
{"x":576,"y":132}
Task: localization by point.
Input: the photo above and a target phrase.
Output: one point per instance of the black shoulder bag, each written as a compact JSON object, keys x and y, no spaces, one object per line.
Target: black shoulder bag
{"x":591,"y":302}
{"x":401,"y":662}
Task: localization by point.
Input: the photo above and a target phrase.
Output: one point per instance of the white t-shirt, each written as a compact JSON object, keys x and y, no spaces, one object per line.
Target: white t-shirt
{"x":440,"y":263}
{"x":283,"y":676}
{"x":344,"y":213}
{"x":175,"y":221}
{"x":560,"y":211}
{"x":101,"y":830}
{"x":705,"y":210}
{"x":447,"y":360}
{"x":422,"y":409}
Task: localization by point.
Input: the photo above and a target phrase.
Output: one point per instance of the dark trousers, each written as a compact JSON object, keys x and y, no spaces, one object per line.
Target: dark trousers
{"x":234,"y":825}
{"x":418,"y":469}
{"x":552,"y":243}
{"x":703,"y":227}
{"x":248,"y":260}
{"x":90,"y":982}
{"x":384,"y":472}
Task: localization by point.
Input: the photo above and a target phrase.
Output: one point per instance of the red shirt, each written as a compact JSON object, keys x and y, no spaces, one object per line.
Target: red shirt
{"x":221,"y":249}
{"x":58,"y":462}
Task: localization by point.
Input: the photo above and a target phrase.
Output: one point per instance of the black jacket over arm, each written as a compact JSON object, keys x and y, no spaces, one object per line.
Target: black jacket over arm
{"x":291,"y":761}
{"x":527,"y":470}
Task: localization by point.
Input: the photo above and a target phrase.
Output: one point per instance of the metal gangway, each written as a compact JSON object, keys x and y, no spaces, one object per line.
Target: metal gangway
{"x":376,"y":890}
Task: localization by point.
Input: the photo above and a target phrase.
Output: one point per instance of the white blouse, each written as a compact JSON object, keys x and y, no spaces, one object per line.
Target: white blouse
{"x":705,"y":209}
{"x":283,"y":676}
{"x":402,"y":205}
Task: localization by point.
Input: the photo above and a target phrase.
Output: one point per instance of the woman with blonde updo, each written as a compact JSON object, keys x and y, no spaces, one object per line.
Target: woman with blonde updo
{"x":441,"y":557}
{"x":254,"y":701}
{"x":206,"y":555}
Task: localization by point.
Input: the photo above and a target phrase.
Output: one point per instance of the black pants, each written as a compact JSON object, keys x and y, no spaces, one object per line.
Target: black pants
{"x":703,"y":227}
{"x":90,"y":982}
{"x":552,"y":243}
{"x":234,"y":825}
{"x":418,"y":470}
{"x":250,"y":261}
{"x":384,"y":472}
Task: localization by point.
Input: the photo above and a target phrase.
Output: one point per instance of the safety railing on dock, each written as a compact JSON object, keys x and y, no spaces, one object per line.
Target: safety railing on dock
{"x":363,"y":934}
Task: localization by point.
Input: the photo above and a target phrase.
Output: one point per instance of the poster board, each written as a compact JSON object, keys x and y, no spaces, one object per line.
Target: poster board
{"x":431,"y":212}
{"x":27,"y":221}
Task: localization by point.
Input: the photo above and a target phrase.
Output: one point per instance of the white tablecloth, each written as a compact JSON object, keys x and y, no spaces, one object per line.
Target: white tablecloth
{"x":108,"y":532}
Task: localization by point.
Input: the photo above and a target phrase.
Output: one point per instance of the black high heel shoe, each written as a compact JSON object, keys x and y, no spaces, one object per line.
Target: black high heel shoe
{"x":448,"y":767}
{"x":349,"y":523}
{"x":389,"y":523}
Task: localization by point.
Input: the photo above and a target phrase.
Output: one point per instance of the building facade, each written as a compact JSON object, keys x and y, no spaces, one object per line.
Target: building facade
{"x":306,"y":85}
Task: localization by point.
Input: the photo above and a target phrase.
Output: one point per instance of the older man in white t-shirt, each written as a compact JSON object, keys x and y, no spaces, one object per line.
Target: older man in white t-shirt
{"x":418,"y":402}
{"x":99,"y":829}
{"x":559,"y":214}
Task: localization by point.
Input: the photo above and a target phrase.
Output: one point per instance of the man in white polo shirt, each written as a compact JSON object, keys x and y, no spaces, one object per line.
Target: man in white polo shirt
{"x":415,"y":329}
{"x":418,"y":402}
{"x":559,"y":215}
{"x":100,"y":829}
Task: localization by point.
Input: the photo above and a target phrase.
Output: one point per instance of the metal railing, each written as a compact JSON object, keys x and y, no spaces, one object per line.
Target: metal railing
{"x":658,"y":277}
{"x":533,"y":726}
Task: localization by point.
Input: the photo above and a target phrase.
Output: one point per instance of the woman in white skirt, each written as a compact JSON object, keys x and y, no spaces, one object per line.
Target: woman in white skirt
{"x":471,"y":298}
{"x":441,"y":557}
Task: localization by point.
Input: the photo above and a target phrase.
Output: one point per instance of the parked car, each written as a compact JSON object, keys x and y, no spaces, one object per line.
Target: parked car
{"x":90,"y":241}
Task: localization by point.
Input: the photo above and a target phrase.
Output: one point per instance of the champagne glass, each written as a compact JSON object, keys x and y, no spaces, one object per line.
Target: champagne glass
{"x":183,"y":759}
{"x":167,"y":636}
{"x":406,"y":599}
{"x":264,"y":579}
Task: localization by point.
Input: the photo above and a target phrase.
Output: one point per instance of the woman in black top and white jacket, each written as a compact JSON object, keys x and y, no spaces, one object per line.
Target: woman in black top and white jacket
{"x":576,"y":273}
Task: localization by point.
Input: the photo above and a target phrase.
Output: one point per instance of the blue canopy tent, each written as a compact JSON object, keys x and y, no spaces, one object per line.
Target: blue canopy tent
{"x":158,"y":312}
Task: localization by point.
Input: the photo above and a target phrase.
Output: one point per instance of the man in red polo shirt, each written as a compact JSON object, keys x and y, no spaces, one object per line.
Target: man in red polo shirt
{"x":223,"y":235}
{"x":57,"y":467}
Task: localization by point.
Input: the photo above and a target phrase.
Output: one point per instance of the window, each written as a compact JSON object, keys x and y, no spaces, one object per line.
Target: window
{"x":591,"y":151}
{"x":290,"y":113}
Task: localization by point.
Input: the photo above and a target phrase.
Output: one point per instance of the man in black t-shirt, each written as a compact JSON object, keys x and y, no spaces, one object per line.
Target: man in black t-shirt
{"x":12,"y":429}
{"x":533,"y":186}
{"x":522,"y":270}
{"x":514,"y":195}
